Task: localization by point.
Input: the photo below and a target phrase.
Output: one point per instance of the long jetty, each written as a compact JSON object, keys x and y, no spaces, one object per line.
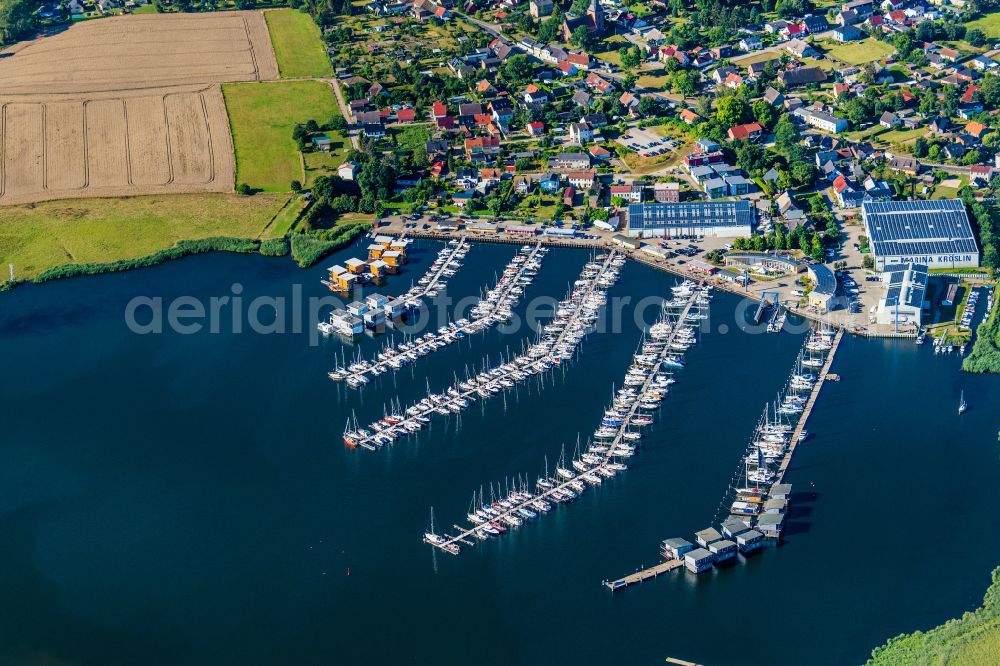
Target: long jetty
{"x":800,"y":426}
{"x":673,"y":564}
{"x":511,"y":511}
{"x":395,"y":357}
{"x":489,"y":381}
{"x":434,"y":278}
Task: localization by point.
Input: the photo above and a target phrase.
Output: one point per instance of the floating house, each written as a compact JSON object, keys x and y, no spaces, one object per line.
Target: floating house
{"x":749,"y":541}
{"x":675,"y":548}
{"x":698,"y":560}
{"x":723,"y":550}
{"x":707,"y":536}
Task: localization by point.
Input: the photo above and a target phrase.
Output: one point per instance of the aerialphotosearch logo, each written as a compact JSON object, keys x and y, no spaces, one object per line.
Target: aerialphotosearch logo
{"x":295,"y":314}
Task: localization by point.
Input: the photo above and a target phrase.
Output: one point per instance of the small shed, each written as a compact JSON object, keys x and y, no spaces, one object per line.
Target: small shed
{"x":393,"y":259}
{"x":770,"y":524}
{"x":782,"y":491}
{"x":626,"y":241}
{"x":775,"y":505}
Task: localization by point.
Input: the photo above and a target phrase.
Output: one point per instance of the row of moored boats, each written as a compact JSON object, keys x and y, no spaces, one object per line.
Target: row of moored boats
{"x":575,"y":318}
{"x":494,"y":308}
{"x":632,"y":408}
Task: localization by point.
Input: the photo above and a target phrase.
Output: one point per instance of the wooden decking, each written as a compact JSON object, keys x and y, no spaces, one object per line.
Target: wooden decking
{"x":639,"y":576}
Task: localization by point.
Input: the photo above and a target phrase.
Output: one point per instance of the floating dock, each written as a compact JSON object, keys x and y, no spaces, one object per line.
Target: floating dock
{"x":800,"y":426}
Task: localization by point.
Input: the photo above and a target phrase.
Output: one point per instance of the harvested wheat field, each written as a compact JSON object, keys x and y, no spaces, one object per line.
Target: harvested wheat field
{"x":145,"y":51}
{"x":114,"y":144}
{"x":126,"y":105}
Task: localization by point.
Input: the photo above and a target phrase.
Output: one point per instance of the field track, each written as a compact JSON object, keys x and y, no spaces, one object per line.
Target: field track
{"x":126,"y":105}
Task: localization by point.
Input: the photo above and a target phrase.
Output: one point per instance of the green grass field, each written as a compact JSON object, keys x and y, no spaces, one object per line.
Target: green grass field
{"x":900,"y":135}
{"x":325,"y":164}
{"x":262,"y":116}
{"x":972,"y":640}
{"x":857,"y":53}
{"x":743,"y":63}
{"x":38,"y":236}
{"x":297,"y":44}
{"x":989,"y":24}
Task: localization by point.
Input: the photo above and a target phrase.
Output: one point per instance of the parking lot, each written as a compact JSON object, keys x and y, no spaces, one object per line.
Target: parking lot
{"x":645,"y":142}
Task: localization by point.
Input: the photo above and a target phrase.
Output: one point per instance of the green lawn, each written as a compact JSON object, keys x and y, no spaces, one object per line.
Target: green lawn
{"x":900,"y":135}
{"x":989,"y":24}
{"x":287,"y":216}
{"x":757,"y":57}
{"x":654,"y":82}
{"x":408,"y":139}
{"x":42,"y":235}
{"x":972,"y":640}
{"x":857,"y":53}
{"x":325,"y":164}
{"x":262,"y":116}
{"x":297,"y":44}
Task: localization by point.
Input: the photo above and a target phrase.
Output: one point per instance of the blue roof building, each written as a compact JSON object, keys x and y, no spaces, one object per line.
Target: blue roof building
{"x":934,"y":233}
{"x":718,"y":219}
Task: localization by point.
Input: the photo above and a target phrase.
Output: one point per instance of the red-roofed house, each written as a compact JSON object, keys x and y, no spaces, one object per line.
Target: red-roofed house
{"x":406,"y":115}
{"x":597,"y":83}
{"x":976,"y":129}
{"x":536,"y":128}
{"x":482,"y":148}
{"x":734,"y":81}
{"x":747,"y":132}
{"x":688,"y":116}
{"x":438,"y":110}
{"x":581,"y":60}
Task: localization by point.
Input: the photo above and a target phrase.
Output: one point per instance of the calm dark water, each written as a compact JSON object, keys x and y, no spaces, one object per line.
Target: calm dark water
{"x":185,"y":499}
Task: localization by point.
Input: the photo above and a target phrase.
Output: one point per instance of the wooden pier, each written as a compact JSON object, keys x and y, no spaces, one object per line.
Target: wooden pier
{"x":807,"y":410}
{"x":639,"y":576}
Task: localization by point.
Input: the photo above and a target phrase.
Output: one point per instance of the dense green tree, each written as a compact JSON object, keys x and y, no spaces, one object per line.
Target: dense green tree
{"x":764,"y":113}
{"x":975,"y":37}
{"x":684,"y":82}
{"x":731,"y":111}
{"x":582,"y":38}
{"x":17,"y":20}
{"x":517,"y":71}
